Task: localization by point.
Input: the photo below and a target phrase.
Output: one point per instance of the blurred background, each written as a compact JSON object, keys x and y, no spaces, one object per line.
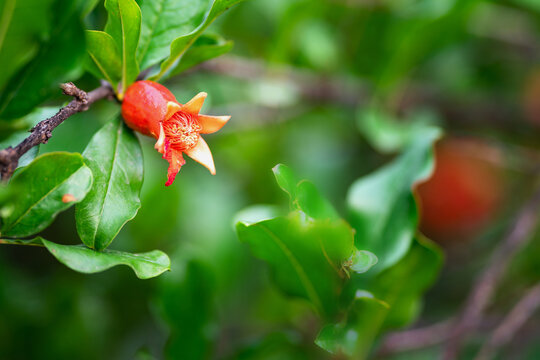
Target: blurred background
{"x":327,"y":87}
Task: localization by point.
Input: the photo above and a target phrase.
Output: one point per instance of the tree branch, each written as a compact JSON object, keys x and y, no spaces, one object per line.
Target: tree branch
{"x":353,"y":92}
{"x":309,"y":85}
{"x":517,"y":317}
{"x":40,"y":134}
{"x":412,"y":339}
{"x":485,"y":286}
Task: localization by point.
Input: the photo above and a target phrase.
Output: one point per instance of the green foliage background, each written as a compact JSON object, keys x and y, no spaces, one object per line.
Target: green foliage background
{"x":231,"y":299}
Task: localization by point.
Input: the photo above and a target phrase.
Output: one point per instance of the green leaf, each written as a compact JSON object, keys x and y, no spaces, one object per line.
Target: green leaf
{"x":353,"y":336}
{"x":205,"y":48}
{"x":57,"y":61}
{"x":388,"y":300}
{"x":256,"y":213}
{"x":114,"y":155}
{"x":382,"y":207}
{"x":306,"y":257}
{"x":162,"y":22}
{"x":286,"y":179}
{"x":40,"y":190}
{"x":402,"y":285}
{"x":180,"y":44}
{"x":388,"y":134}
{"x":104,"y":58}
{"x":21,"y":23}
{"x":82,"y":259}
{"x":304,"y":195}
{"x":309,"y":200}
{"x":124,"y":25}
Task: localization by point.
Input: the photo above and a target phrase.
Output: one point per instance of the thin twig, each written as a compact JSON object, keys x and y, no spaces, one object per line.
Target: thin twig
{"x":309,"y":85}
{"x":40,"y":134}
{"x":484,"y":288}
{"x":517,"y":317}
{"x":352,"y":92}
{"x":416,"y":338}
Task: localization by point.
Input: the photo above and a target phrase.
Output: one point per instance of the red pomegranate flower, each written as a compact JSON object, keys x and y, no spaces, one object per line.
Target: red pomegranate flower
{"x":151,"y":109}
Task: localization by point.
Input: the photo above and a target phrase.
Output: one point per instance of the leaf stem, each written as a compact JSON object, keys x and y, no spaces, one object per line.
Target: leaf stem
{"x":21,"y":242}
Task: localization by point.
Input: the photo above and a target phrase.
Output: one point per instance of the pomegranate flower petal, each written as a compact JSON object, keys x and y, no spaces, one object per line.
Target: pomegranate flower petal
{"x":201,"y":154}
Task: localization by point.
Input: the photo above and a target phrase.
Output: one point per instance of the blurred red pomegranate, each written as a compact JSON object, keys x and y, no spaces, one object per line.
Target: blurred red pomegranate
{"x":464,"y":192}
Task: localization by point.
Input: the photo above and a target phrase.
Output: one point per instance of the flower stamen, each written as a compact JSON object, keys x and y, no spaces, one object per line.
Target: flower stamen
{"x":182,"y":130}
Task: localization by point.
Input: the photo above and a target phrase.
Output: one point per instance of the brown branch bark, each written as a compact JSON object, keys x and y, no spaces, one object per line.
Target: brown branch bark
{"x":40,"y":134}
{"x":517,"y":317}
{"x":485,"y":286}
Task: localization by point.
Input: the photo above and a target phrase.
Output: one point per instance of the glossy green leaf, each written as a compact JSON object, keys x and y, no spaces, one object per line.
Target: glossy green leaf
{"x":306,"y":257}
{"x":353,"y":336}
{"x":41,"y":187}
{"x":21,"y":23}
{"x":114,"y":155}
{"x":162,"y":22}
{"x":382,"y":207}
{"x":124,"y":25}
{"x":82,"y":259}
{"x":181,"y":43}
{"x":104,"y":58}
{"x":58,"y":60}
{"x":304,"y":195}
{"x":205,"y":48}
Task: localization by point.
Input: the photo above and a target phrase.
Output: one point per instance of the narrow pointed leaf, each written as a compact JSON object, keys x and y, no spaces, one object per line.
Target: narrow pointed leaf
{"x":104,"y":59}
{"x":180,"y":44}
{"x":40,"y":189}
{"x":114,"y":155}
{"x":124,"y":25}
{"x":205,"y":48}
